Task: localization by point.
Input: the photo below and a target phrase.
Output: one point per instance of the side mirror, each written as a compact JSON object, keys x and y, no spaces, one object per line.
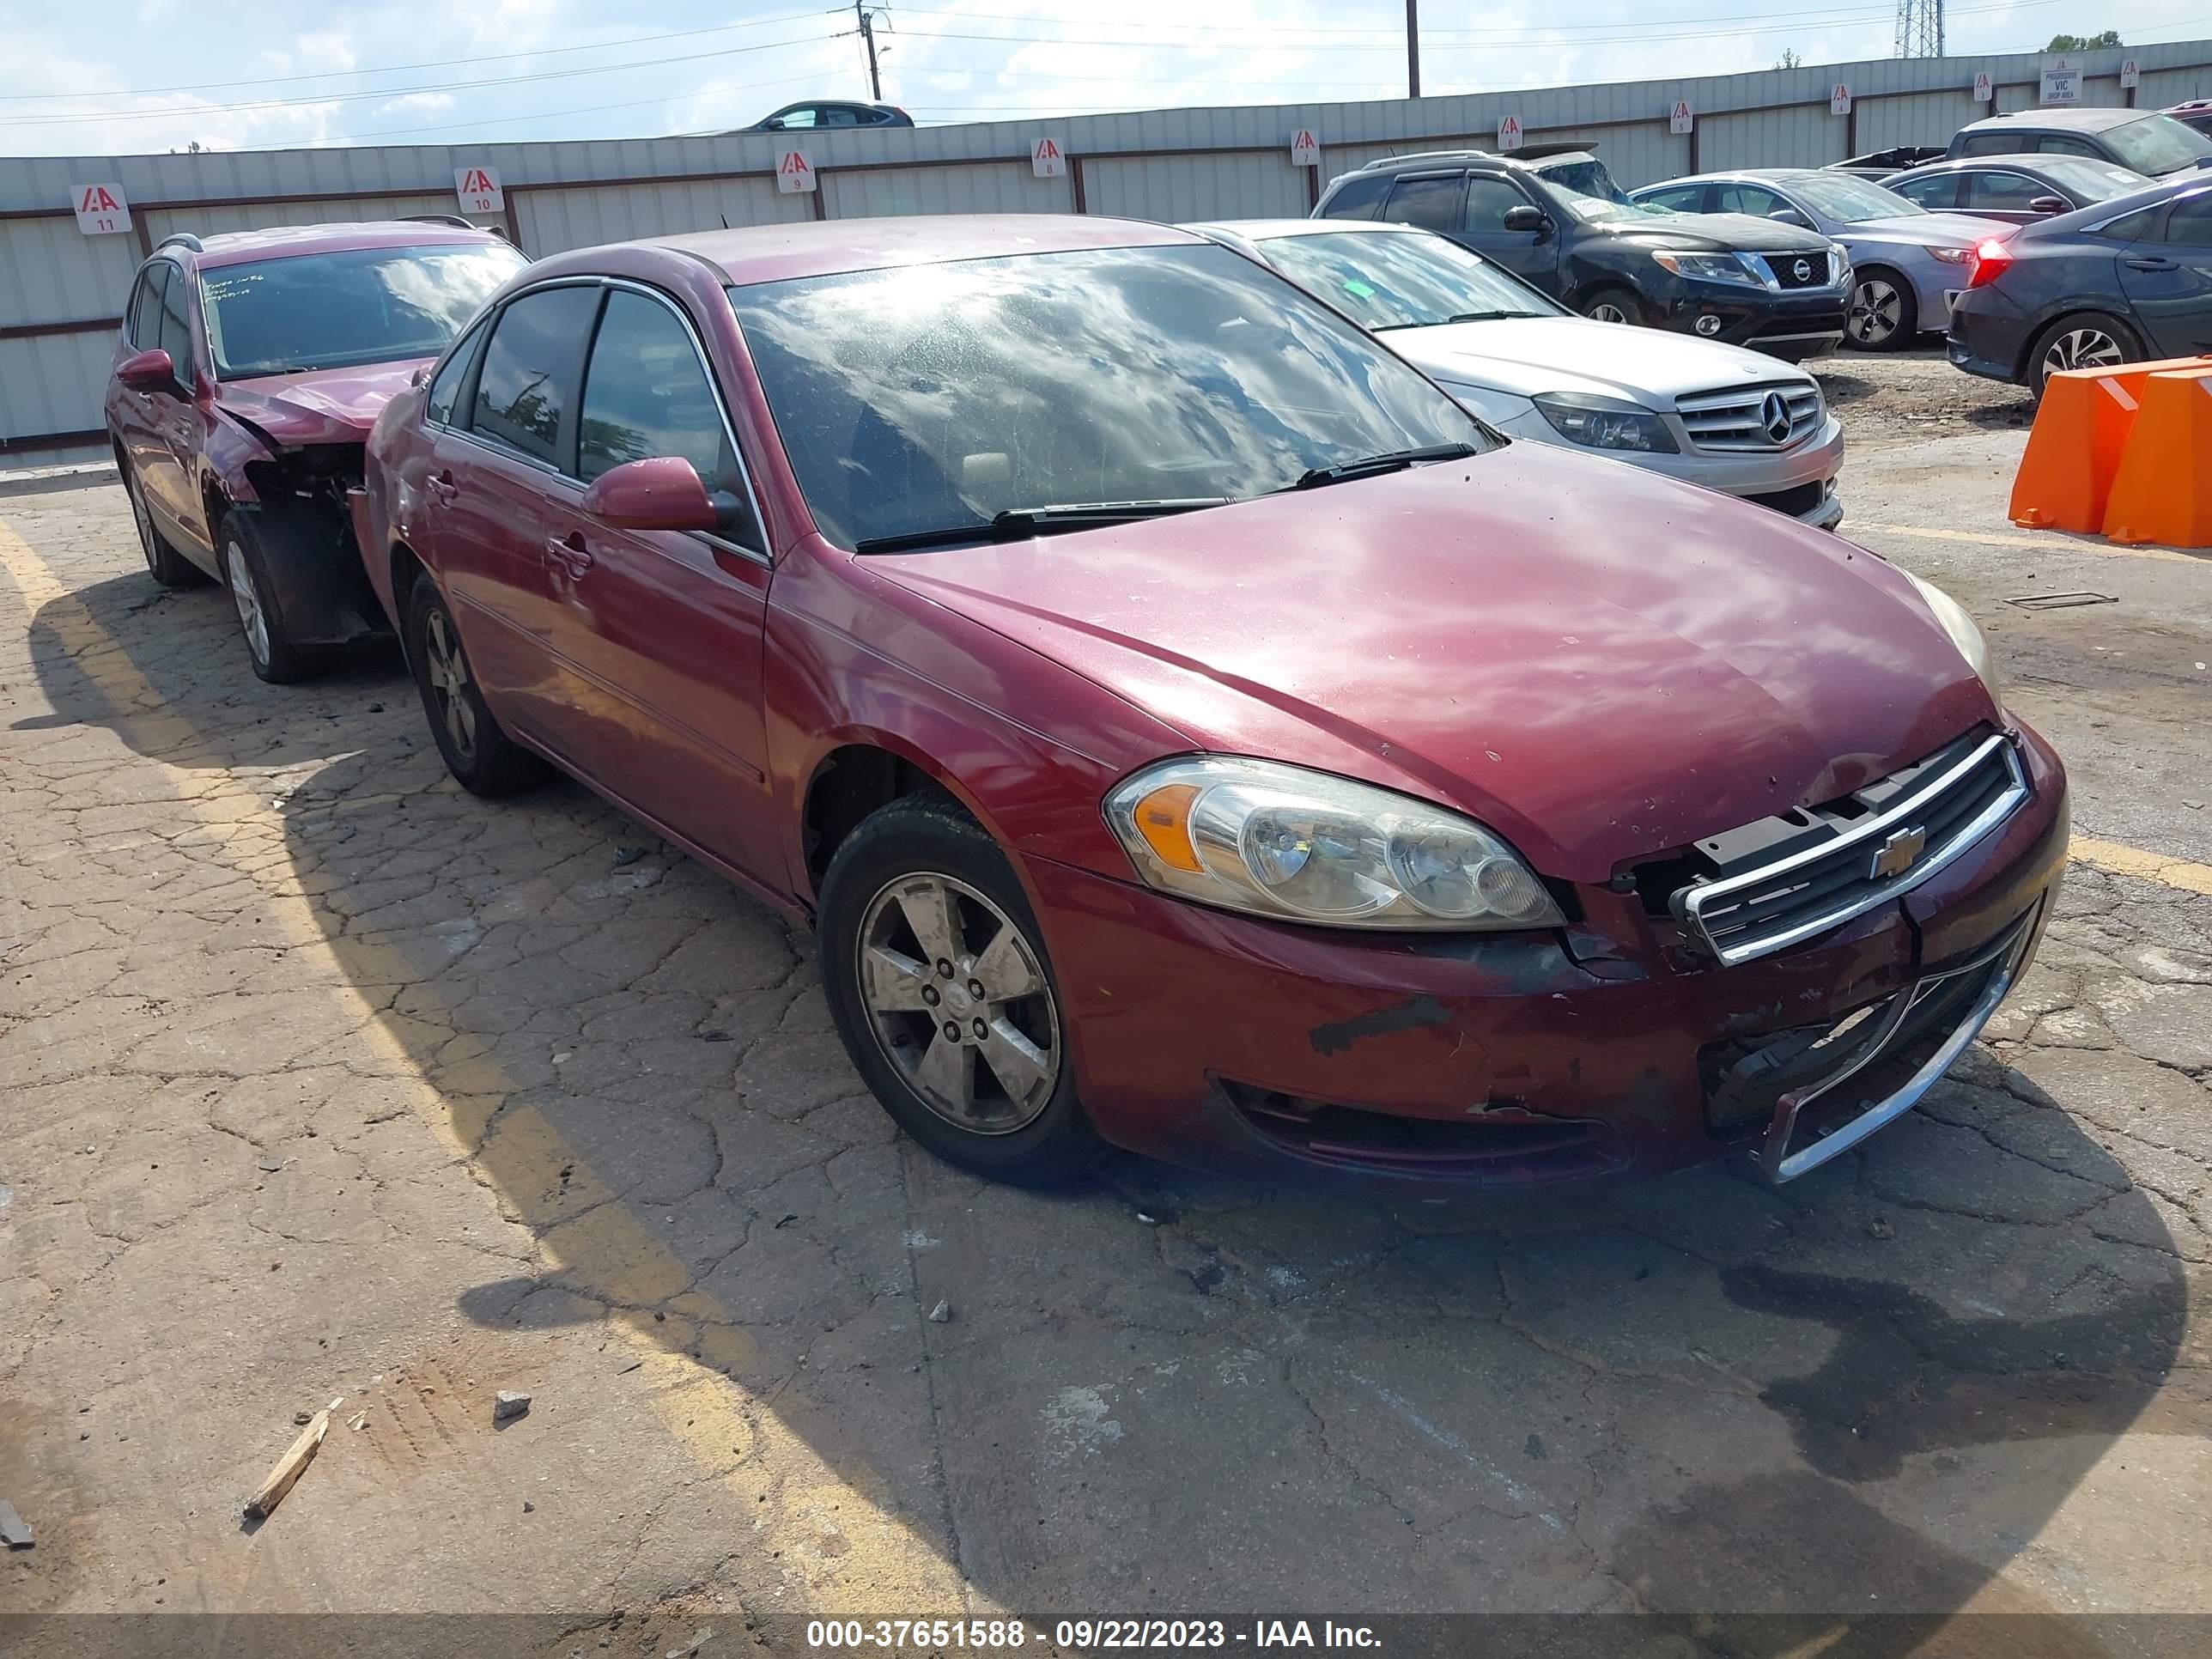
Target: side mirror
{"x":148,"y":371}
{"x":1789,"y":215}
{"x":1526,"y":218}
{"x":665,"y":492}
{"x":2050,"y":204}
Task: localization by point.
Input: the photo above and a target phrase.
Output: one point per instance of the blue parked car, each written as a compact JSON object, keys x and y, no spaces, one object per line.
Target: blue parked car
{"x":1908,"y":262}
{"x":2118,"y":282}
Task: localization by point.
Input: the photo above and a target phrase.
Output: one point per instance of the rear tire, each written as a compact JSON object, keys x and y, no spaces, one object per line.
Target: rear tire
{"x":2088,"y":339}
{"x":937,"y":978}
{"x":482,"y":759}
{"x":1884,"y":312}
{"x":166,"y":565}
{"x":269,"y":645}
{"x":1614,"y":304}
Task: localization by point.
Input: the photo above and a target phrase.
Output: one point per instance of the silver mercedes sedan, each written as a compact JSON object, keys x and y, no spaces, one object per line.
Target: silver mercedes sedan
{"x":1716,"y":415}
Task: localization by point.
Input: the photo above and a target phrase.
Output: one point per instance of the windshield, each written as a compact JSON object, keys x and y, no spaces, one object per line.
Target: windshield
{"x":2093,"y":181}
{"x":2158,"y":143}
{"x":1589,"y":192}
{"x":1384,"y":280}
{"x":339,"y":310}
{"x":933,"y":397}
{"x":1851,"y":201}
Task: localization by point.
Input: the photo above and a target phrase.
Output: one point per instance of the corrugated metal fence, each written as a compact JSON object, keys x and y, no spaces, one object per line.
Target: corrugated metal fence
{"x":60,"y":289}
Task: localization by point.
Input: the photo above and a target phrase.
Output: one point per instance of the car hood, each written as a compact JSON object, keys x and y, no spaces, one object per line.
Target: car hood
{"x":317,"y":406}
{"x":1531,"y":355}
{"x":1717,"y":232}
{"x":1921,"y":230}
{"x":1598,"y":661}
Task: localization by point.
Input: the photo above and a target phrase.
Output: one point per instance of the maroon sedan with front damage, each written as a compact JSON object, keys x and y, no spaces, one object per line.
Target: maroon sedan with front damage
{"x":250,"y":369}
{"x":1188,"y":730}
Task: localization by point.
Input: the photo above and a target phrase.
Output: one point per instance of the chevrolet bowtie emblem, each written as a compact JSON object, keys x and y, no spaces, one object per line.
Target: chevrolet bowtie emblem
{"x":1897,"y":854}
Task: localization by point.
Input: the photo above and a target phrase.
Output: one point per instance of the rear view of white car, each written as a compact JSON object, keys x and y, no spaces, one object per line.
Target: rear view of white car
{"x":1732,"y":420}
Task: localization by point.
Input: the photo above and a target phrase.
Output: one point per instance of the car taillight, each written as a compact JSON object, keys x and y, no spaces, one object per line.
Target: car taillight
{"x":1992,"y":257}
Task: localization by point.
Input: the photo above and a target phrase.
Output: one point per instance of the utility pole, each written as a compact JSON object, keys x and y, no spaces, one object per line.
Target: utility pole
{"x":868,"y":36}
{"x":1413,"y":48}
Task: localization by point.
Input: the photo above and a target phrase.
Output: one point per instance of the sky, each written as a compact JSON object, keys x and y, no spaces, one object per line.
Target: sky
{"x":105,"y":77}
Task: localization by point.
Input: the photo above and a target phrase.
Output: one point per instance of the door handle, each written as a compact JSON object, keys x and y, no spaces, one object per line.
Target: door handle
{"x":2150,"y":262}
{"x":442,"y":489}
{"x":569,"y":553}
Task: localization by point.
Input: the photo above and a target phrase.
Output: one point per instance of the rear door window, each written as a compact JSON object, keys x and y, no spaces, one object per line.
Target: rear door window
{"x":531,"y":367}
{"x":2190,"y":224}
{"x":1357,"y":198}
{"x":1680,"y":198}
{"x":1997,"y":143}
{"x":1936,"y":192}
{"x":2067,"y":143}
{"x":1431,"y":202}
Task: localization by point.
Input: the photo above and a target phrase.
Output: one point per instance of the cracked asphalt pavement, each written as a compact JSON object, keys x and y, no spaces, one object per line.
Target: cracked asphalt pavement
{"x":320,"y":1078}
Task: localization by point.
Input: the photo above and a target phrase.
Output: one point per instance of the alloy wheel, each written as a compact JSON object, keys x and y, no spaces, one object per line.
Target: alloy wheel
{"x":252,"y":618}
{"x":958,"y":1003}
{"x":1605,"y":311}
{"x":447,"y":667}
{"x":1876,"y":310}
{"x":2082,"y":348}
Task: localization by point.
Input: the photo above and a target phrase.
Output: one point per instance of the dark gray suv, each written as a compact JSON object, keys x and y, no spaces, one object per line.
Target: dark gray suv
{"x":1557,"y":220}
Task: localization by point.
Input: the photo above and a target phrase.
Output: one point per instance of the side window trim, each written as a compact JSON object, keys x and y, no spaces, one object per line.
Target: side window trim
{"x":465,"y":353}
{"x":721,"y":409}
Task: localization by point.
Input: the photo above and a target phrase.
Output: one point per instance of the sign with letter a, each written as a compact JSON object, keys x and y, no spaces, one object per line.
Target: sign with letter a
{"x":479,"y":190}
{"x":1509,"y":132}
{"x":1679,"y":119}
{"x":1305,"y":149}
{"x":795,"y":173}
{"x":102,"y":209}
{"x":1047,"y":158}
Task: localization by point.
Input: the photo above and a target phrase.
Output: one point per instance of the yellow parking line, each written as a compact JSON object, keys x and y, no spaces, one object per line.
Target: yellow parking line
{"x":2115,"y":859}
{"x":592,"y":1242}
{"x":2048,"y":544}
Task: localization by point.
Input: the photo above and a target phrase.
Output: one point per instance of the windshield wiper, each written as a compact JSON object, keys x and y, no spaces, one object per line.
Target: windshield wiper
{"x":1016,"y":522}
{"x":1488,"y":316}
{"x":1369,"y":465}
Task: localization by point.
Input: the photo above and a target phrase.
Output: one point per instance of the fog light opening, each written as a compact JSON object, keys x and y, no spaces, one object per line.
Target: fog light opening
{"x":1708,"y":326}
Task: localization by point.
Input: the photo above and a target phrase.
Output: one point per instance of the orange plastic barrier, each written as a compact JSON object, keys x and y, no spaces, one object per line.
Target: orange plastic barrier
{"x":2074,"y":451}
{"x":2163,"y":490}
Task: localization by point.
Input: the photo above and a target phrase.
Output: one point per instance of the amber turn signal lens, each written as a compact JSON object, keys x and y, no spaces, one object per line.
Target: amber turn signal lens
{"x":1162,"y":819}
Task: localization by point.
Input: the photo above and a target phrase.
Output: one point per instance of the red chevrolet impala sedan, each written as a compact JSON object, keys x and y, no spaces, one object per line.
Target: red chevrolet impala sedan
{"x":1187,"y":729}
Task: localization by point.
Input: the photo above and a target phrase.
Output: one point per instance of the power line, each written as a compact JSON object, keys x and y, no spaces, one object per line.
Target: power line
{"x":202,"y":111}
{"x":403,"y":69}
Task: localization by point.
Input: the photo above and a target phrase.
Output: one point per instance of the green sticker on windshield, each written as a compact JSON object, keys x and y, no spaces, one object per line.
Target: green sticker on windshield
{"x":1353,"y":286}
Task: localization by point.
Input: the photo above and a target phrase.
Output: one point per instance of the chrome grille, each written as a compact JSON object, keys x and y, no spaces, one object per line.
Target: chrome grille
{"x":1841,"y":859}
{"x":1782,"y":269}
{"x":1742,"y":418}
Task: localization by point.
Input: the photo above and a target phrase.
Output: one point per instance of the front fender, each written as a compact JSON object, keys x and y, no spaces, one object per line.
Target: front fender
{"x":229,"y":449}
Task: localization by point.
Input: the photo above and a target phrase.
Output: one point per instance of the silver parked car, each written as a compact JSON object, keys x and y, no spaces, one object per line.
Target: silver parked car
{"x":1720,"y":416}
{"x":1909,"y":264}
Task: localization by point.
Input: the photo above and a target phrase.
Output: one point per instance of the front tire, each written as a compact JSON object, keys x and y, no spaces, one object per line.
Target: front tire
{"x":937,"y":978}
{"x":269,"y":645}
{"x":2088,"y":339}
{"x":163,"y":562}
{"x":1614,"y":304}
{"x":1884,"y":312}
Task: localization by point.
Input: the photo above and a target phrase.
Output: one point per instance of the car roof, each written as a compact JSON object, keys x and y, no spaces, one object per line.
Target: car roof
{"x":2020,"y":160}
{"x":1532,"y":157}
{"x":1772,"y":175}
{"x":827,"y":247}
{"x":1268,"y":230}
{"x":232,"y":247}
{"x":2080,"y":120}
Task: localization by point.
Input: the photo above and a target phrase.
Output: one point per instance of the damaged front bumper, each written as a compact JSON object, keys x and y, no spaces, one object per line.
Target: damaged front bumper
{"x":1433,"y":1065}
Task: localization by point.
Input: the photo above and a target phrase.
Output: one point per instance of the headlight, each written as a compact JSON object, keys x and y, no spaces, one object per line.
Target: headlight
{"x":1281,"y":841}
{"x":1953,"y":256}
{"x":1952,"y":616}
{"x":1605,"y":422}
{"x":1840,"y":265}
{"x":1709,"y":268}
